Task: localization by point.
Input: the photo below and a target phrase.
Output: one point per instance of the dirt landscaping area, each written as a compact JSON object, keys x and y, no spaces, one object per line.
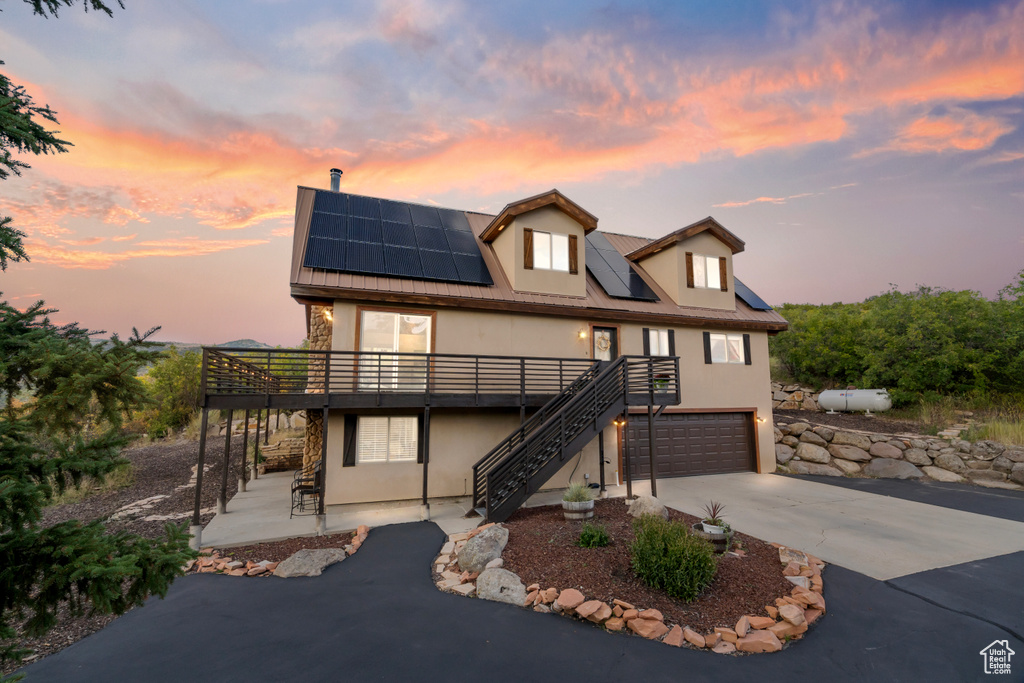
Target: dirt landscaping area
{"x":856,"y":421}
{"x":542,"y":549}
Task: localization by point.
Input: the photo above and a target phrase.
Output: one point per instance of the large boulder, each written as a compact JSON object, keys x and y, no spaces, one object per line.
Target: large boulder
{"x":846,"y":466}
{"x":501,"y":585}
{"x":648,"y":505}
{"x":850,"y":439}
{"x":882,"y":449}
{"x":1017,"y":473}
{"x":939,"y":474}
{"x":887,"y":468}
{"x":1001,"y":464}
{"x":812,"y":453}
{"x":308,"y":562}
{"x":478,"y":552}
{"x":951,"y":462}
{"x":811,"y":437}
{"x":798,"y":428}
{"x":784,"y":453}
{"x":802,"y":467}
{"x":497,"y":532}
{"x":824,"y":432}
{"x":917,"y":456}
{"x":850,"y":453}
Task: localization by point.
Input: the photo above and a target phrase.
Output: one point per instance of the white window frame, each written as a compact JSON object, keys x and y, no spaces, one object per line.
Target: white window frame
{"x":729,"y":343}
{"x":391,"y":445}
{"x":555,"y":251}
{"x":706,"y":272}
{"x":657,"y":341}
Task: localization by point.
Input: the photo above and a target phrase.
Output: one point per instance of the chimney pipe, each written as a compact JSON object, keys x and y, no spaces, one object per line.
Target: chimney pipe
{"x":335,"y":180}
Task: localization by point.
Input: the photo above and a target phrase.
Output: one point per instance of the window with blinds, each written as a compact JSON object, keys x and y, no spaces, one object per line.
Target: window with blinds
{"x":386,"y":439}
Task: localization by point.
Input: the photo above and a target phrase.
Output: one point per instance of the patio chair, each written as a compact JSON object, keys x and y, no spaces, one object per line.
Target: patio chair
{"x":307,"y":487}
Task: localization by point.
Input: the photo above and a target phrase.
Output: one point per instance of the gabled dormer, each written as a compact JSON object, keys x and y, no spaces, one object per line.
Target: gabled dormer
{"x":539,"y":242}
{"x":694,"y":264}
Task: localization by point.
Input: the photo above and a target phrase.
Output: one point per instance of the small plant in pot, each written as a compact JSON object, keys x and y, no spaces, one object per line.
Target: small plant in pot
{"x":577,"y":502}
{"x":712,"y":522}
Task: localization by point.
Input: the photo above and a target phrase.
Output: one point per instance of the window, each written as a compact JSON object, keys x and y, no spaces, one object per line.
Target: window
{"x":385,"y":333}
{"x":386,"y":439}
{"x":727,"y":348}
{"x":706,"y":272}
{"x":659,"y":342}
{"x":550,"y":250}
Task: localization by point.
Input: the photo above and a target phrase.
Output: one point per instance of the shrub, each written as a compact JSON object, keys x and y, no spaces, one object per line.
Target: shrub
{"x":593,"y":536}
{"x":578,"y":492}
{"x":666,"y":556}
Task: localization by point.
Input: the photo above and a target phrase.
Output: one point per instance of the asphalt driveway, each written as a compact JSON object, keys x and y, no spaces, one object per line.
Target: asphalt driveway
{"x":377,"y":616}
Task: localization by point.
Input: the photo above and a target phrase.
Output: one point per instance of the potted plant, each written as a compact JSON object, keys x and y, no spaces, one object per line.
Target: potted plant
{"x":712,"y":521}
{"x":577,"y":503}
{"x":713,"y":528}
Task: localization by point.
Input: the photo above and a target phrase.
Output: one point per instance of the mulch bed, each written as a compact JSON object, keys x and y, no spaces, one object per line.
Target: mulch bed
{"x":859,"y":421}
{"x":277,"y":551}
{"x":542,"y":549}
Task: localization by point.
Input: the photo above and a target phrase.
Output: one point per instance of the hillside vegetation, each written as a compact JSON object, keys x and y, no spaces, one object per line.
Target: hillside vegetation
{"x":923,"y":345}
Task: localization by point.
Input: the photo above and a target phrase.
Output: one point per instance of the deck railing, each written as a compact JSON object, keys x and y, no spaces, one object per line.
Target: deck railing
{"x":277,"y":372}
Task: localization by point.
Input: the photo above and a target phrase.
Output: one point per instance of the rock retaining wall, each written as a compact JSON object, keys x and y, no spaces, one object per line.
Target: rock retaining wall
{"x":794,"y":397}
{"x":287,"y":454}
{"x":803,"y":448}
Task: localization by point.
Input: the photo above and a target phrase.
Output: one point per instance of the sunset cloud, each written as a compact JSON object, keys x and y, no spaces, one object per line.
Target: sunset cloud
{"x":959,"y":130}
{"x":64,"y":257}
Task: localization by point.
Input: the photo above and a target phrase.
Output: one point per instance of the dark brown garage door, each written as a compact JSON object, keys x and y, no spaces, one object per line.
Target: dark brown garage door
{"x":692,"y":443}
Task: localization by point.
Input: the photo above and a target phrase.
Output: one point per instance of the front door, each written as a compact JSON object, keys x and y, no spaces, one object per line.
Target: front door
{"x":605,"y":343}
{"x":383,"y":333}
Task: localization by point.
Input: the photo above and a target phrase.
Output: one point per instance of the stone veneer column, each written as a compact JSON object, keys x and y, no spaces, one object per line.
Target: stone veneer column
{"x":320,"y":339}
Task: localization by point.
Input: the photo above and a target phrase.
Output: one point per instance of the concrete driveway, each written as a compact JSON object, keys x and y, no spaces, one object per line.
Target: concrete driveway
{"x":881,"y":536}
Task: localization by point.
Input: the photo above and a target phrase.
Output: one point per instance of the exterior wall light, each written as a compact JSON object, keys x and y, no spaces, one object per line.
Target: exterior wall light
{"x":583,"y":334}
{"x":328,"y":315}
{"x":761,"y":420}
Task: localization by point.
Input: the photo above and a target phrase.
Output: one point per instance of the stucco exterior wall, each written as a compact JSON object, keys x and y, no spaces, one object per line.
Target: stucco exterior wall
{"x":508,"y":247}
{"x":459,"y":439}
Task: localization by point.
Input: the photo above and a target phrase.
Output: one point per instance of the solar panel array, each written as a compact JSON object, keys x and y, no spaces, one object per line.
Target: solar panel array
{"x":354,"y":234}
{"x":747,"y":296}
{"x":613,"y":272}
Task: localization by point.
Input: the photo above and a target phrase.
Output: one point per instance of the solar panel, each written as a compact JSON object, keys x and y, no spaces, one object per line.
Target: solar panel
{"x":425,"y":215}
{"x":613,"y":272}
{"x":349,"y":233}
{"x":747,"y":296}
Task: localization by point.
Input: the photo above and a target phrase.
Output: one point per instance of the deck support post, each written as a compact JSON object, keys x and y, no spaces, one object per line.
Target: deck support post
{"x":321,"y":515}
{"x":600,"y":455}
{"x":222,"y":498}
{"x":243,"y":476}
{"x":625,"y":455}
{"x":196,"y":529}
{"x":650,"y":450}
{"x":426,"y":456}
{"x":256,"y":447}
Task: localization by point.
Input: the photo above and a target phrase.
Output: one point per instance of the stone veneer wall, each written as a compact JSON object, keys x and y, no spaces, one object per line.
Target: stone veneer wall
{"x":320,"y":339}
{"x":793,"y":397}
{"x":802,"y":448}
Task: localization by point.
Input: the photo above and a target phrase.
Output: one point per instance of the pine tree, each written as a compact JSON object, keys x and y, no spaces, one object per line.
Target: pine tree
{"x":63,"y":401}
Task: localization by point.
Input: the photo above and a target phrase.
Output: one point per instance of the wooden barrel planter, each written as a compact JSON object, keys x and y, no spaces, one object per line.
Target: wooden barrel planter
{"x":720,"y":542}
{"x":578,"y":510}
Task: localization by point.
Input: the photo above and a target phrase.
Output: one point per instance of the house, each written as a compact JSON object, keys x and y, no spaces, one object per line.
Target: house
{"x":539,"y":280}
{"x":456,"y":353}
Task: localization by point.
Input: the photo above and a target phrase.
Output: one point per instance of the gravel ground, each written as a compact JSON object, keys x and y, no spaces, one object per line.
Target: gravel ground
{"x":542,"y":549}
{"x":161,"y":468}
{"x":859,"y":421}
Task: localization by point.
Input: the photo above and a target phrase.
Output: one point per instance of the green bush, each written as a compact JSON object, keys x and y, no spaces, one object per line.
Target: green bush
{"x":666,"y":556}
{"x":593,"y":536}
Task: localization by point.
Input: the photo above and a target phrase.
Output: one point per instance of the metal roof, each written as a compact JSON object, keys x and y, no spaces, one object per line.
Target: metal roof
{"x":310,"y":284}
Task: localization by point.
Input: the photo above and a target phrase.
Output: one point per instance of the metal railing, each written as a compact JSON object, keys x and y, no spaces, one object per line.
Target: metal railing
{"x":249,"y":372}
{"x":533,"y":453}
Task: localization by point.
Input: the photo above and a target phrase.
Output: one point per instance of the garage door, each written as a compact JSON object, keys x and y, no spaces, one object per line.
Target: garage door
{"x":692,"y":443}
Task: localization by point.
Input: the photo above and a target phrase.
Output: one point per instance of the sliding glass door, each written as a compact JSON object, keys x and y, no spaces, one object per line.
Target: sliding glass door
{"x":382,"y":335}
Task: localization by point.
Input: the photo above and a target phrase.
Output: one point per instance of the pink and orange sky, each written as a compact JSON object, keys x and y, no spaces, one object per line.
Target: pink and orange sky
{"x":852,"y":145}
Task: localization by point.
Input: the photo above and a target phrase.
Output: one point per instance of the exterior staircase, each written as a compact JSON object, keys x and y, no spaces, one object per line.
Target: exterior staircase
{"x":528,"y":457}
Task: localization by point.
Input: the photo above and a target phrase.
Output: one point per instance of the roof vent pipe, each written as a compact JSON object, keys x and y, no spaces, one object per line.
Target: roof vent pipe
{"x":335,"y":180}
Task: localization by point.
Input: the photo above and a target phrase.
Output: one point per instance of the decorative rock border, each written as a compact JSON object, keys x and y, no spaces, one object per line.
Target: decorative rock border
{"x":788,"y":619}
{"x":210,"y":561}
{"x":803,"y":448}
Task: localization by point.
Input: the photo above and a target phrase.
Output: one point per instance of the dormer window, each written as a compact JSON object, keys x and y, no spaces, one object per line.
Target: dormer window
{"x":706,"y":272}
{"x":549,"y":251}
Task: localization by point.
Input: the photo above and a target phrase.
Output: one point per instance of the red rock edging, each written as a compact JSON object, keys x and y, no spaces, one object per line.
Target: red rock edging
{"x":787,"y":620}
{"x":210,"y":561}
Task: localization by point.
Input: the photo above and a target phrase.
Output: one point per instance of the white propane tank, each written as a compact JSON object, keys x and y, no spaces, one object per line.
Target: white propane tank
{"x":847,"y":400}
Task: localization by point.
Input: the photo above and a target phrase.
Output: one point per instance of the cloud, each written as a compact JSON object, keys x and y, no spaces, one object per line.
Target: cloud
{"x":959,"y":130}
{"x":63,"y":257}
{"x":766,"y":200}
{"x":1003,"y":157}
{"x":124,"y":238}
